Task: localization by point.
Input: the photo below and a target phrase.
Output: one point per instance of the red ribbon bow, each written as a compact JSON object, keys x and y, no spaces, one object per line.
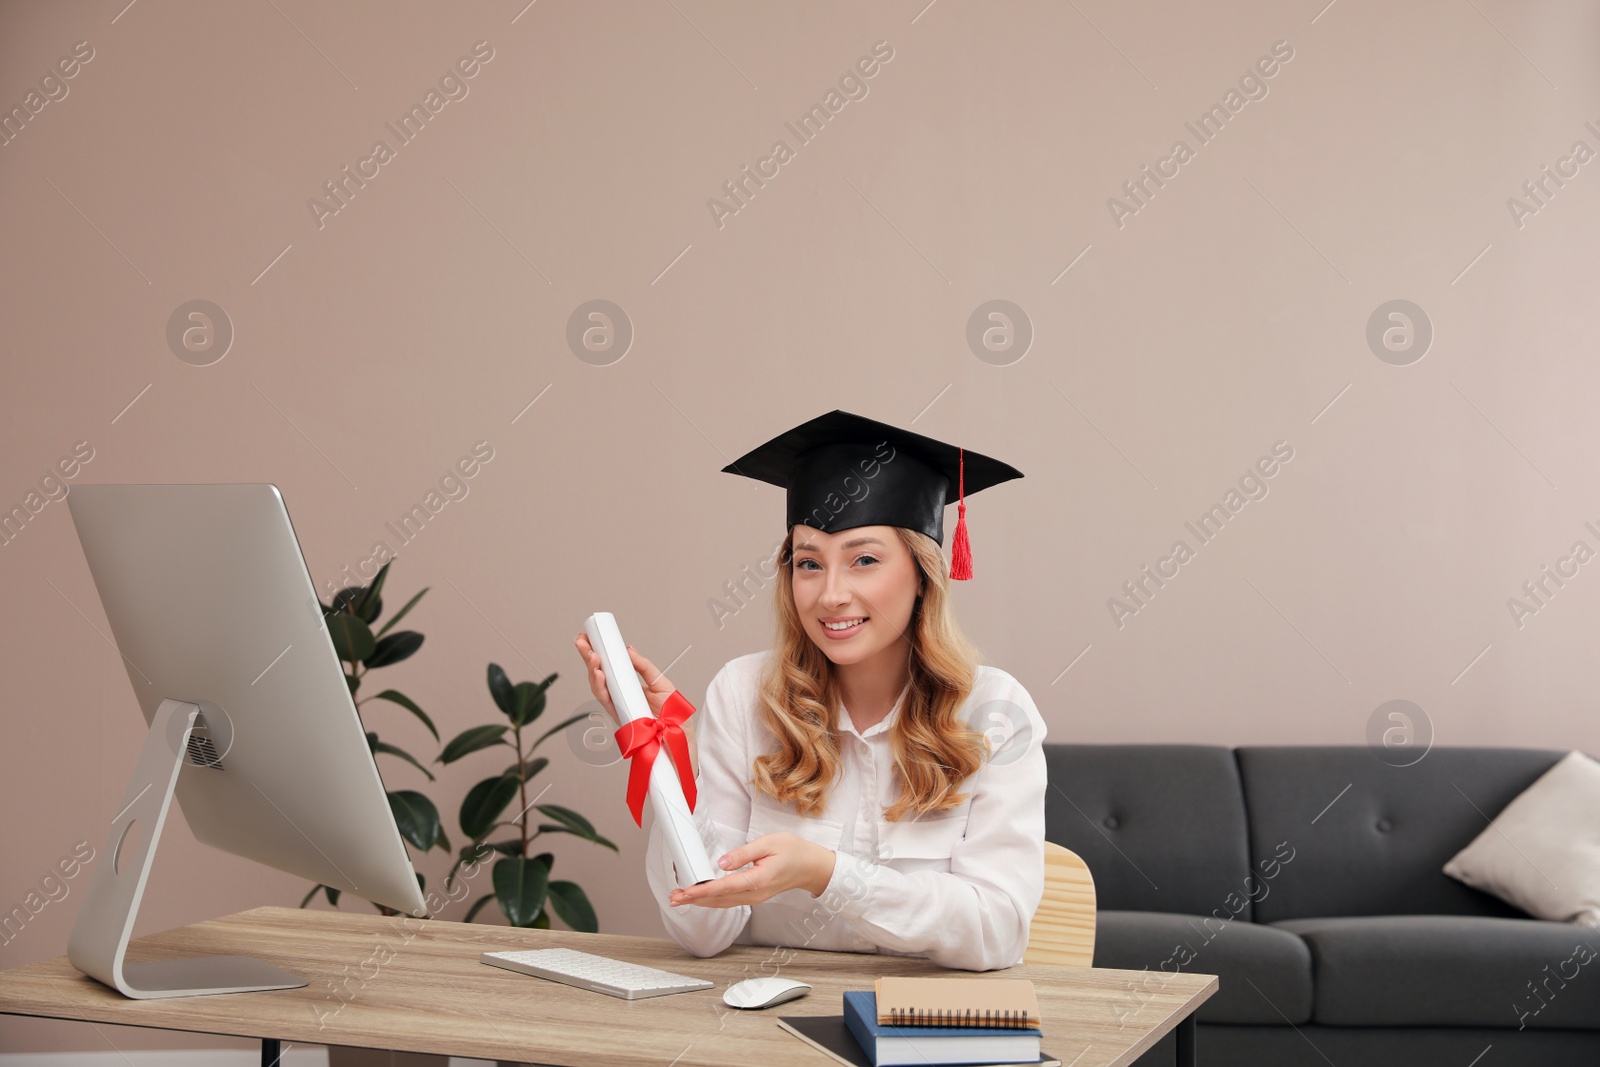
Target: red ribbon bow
{"x":641,"y":739}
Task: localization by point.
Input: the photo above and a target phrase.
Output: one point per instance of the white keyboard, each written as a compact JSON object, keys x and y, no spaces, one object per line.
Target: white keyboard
{"x":630,"y":981}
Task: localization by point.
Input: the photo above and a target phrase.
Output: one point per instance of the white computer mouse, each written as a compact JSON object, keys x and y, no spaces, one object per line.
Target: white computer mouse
{"x":763,"y":992}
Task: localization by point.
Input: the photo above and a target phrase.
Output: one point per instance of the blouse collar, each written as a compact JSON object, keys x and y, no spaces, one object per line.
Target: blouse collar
{"x":883,"y":725}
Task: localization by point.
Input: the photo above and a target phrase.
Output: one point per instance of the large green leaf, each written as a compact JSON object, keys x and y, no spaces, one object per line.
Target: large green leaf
{"x":500,"y":689}
{"x":572,"y":822}
{"x":485,"y":801}
{"x":384,"y":746}
{"x":402,"y":644}
{"x":477,"y":852}
{"x":530,"y":768}
{"x":402,"y":612}
{"x":528,"y":702}
{"x":344,"y":600}
{"x":406,"y":702}
{"x":352,"y":641}
{"x":573,"y":906}
{"x":480,"y":851}
{"x":370,"y":605}
{"x":557,"y":828}
{"x":510,"y":847}
{"x":416,"y":817}
{"x":521,"y":886}
{"x":470,"y":740}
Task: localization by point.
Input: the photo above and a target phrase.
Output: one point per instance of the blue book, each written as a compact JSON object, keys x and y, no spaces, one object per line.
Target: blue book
{"x":919,"y":1046}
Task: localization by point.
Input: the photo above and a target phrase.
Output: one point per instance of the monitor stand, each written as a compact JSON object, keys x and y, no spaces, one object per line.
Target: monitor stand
{"x":100,"y":935}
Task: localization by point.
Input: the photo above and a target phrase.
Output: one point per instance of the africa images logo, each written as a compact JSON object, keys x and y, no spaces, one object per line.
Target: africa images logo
{"x":806,"y":128}
{"x":1141,"y":189}
{"x":453,"y":84}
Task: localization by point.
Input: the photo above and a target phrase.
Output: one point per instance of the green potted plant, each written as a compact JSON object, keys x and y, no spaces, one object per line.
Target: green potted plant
{"x":522,"y":885}
{"x":350,"y":618}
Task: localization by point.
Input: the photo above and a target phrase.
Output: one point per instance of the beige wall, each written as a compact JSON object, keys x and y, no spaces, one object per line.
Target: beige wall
{"x":1227,"y":314}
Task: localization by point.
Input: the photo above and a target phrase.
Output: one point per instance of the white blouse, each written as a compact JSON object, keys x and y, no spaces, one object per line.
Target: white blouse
{"x":960,"y":888}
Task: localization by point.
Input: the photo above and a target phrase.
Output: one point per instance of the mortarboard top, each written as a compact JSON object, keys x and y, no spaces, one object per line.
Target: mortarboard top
{"x":843,"y":470}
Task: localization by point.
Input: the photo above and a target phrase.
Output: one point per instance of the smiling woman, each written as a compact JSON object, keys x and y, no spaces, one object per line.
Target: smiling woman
{"x":845,"y":777}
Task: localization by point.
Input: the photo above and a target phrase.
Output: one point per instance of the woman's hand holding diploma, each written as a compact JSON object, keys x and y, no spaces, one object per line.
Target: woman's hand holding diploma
{"x":656,"y":686}
{"x":781,"y":860}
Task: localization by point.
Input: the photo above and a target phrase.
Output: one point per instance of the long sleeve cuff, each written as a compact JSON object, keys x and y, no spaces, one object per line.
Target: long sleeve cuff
{"x":699,"y":930}
{"x":956,"y":923}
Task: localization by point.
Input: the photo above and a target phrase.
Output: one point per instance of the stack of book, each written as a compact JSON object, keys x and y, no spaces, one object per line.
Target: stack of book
{"x":929,"y":1022}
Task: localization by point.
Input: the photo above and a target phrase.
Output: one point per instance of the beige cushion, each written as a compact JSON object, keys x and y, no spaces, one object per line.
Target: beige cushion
{"x":1542,"y":853}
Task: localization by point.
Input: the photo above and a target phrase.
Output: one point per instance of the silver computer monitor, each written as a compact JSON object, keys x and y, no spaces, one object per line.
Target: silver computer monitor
{"x":252,"y":726}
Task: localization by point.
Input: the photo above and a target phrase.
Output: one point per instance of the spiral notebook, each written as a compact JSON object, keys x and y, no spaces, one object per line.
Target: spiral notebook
{"x":1006,"y":1003}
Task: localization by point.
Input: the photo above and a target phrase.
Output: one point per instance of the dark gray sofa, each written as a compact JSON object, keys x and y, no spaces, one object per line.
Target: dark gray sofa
{"x":1308,"y":879}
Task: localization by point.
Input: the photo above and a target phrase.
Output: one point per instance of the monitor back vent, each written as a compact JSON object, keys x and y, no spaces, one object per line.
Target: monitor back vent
{"x":202,"y":753}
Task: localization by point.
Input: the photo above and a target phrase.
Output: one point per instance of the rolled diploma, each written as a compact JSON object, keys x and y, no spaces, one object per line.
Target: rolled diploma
{"x":666,"y":794}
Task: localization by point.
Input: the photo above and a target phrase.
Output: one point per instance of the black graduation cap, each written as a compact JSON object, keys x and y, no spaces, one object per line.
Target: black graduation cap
{"x":843,"y":471}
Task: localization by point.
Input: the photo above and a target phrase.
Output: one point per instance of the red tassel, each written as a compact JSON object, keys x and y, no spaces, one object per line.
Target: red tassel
{"x":961,"y":548}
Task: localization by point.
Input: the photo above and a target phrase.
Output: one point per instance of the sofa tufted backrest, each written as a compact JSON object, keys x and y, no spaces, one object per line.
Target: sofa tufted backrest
{"x":1162,"y":827}
{"x":1367,"y":838}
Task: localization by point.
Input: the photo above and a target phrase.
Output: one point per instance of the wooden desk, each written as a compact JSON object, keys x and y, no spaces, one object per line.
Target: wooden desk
{"x":417,"y":986}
